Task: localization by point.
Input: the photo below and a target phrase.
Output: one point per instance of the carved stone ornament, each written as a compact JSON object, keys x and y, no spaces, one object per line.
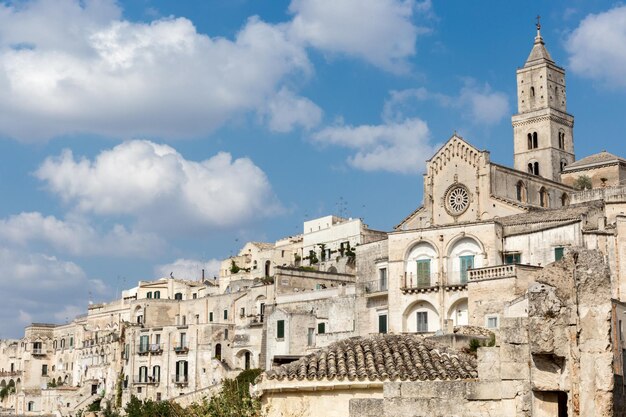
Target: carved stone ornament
{"x":456,"y":199}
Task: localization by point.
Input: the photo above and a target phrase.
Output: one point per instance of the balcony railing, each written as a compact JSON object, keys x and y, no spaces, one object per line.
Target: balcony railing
{"x":143,"y":380}
{"x":154,"y":348}
{"x":10,"y":373}
{"x":492,"y":272}
{"x":375,"y":287}
{"x":419,"y":281}
{"x":180,"y":379}
{"x":181,"y":348}
{"x":457,"y":278}
{"x":38,"y":351}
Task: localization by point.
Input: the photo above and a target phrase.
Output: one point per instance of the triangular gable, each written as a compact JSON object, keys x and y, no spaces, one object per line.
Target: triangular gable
{"x":456,"y":148}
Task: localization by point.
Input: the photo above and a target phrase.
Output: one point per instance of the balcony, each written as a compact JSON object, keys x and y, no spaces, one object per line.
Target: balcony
{"x":412,"y":284}
{"x":181,"y":380}
{"x":518,"y":271}
{"x":38,"y":352}
{"x":153,"y":348}
{"x":182,"y":348}
{"x":375,"y":288}
{"x":143,"y":380}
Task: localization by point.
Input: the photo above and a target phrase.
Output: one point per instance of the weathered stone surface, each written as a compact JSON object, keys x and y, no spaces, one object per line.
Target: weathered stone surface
{"x":488,"y":363}
{"x":366,"y":407}
{"x":490,"y":390}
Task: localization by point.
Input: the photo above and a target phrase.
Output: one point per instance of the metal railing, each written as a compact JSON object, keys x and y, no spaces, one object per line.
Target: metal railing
{"x":181,"y":348}
{"x":180,"y":379}
{"x":148,"y":380}
{"x":375,"y":286}
{"x":411,"y":280}
{"x":38,"y":351}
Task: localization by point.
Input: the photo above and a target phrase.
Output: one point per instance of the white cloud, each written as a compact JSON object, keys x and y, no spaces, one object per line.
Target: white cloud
{"x":161,"y":189}
{"x":68,"y":313}
{"x":396,"y":146}
{"x":75,"y":69}
{"x":37,"y":272}
{"x":77,"y":237}
{"x":39,"y":287}
{"x":285,"y":111}
{"x":190,"y":269}
{"x":597,"y":47}
{"x":478,"y":104}
{"x":378,"y":31}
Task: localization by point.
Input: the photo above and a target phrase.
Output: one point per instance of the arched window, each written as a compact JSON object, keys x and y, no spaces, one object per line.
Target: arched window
{"x":247,"y":360}
{"x":561,"y":140}
{"x":178,"y":296}
{"x":421,"y":266}
{"x":536,"y":168}
{"x":157,"y":294}
{"x":149,"y":295}
{"x":218,"y":351}
{"x":143,"y":374}
{"x":520,"y":189}
{"x":563,"y":164}
{"x":62,"y":343}
{"x":564,"y":199}
{"x":532,"y":91}
{"x":530,"y":141}
{"x":535,"y":143}
{"x":543,"y":197}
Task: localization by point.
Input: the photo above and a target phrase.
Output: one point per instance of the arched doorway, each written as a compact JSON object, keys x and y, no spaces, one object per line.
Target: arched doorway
{"x":421,"y":317}
{"x":459,"y":313}
{"x":218,"y":352}
{"x":267,"y":268}
{"x":247,"y":359}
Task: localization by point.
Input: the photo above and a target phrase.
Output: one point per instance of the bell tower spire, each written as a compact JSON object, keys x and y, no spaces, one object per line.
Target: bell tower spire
{"x":542,"y":128}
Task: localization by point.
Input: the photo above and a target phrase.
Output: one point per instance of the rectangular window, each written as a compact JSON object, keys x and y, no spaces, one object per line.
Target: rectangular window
{"x":280,"y":329}
{"x":423,"y":273}
{"x":310,"y":337}
{"x":621,"y":333}
{"x":242,"y":312}
{"x":382,"y":279}
{"x":558,"y":254}
{"x":225,"y":314}
{"x":143,"y":343}
{"x":422,"y":321}
{"x":467,"y":262}
{"x":492,"y":322}
{"x":44,"y":370}
{"x":194,"y":296}
{"x":382,"y":323}
{"x":321,"y":328}
{"x":210,"y":316}
{"x":512,"y":258}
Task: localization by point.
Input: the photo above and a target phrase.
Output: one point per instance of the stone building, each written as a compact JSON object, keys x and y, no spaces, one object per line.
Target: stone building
{"x":498,"y":248}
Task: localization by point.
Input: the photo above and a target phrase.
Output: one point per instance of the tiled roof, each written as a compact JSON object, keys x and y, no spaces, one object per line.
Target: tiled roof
{"x":597,"y":158}
{"x":263,"y":245}
{"x":380,"y":357}
{"x":561,"y":214}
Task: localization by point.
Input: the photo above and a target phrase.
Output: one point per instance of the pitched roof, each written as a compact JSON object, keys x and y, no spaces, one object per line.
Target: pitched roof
{"x":595,"y":159}
{"x":380,"y":357}
{"x":539,"y":53}
{"x":263,"y":245}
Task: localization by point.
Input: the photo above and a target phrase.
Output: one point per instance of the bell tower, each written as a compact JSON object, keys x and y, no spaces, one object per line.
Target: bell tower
{"x":543,"y":131}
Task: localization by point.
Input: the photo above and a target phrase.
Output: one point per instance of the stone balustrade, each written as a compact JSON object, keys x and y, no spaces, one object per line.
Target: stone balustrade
{"x":492,"y":272}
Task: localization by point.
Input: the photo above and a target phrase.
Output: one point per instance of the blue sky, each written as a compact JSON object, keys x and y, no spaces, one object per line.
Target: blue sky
{"x":143,"y":137}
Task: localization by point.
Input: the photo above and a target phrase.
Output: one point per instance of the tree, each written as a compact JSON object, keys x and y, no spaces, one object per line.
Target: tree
{"x":583,"y":182}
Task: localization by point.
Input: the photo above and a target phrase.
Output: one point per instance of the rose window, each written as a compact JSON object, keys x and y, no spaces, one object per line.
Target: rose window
{"x":457,"y":200}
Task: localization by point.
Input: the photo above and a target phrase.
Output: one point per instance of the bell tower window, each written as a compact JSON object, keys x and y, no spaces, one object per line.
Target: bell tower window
{"x":532,"y":140}
{"x":533,"y":168}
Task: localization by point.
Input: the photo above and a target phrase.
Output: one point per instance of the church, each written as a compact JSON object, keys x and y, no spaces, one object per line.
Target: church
{"x":525,"y":259}
{"x":503,"y":294}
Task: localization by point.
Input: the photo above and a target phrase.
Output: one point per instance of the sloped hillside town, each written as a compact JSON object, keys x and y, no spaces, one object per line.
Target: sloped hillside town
{"x":503,"y":294}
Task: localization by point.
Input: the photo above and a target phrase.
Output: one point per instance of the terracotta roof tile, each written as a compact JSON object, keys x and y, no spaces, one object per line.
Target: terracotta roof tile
{"x":380,"y":357}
